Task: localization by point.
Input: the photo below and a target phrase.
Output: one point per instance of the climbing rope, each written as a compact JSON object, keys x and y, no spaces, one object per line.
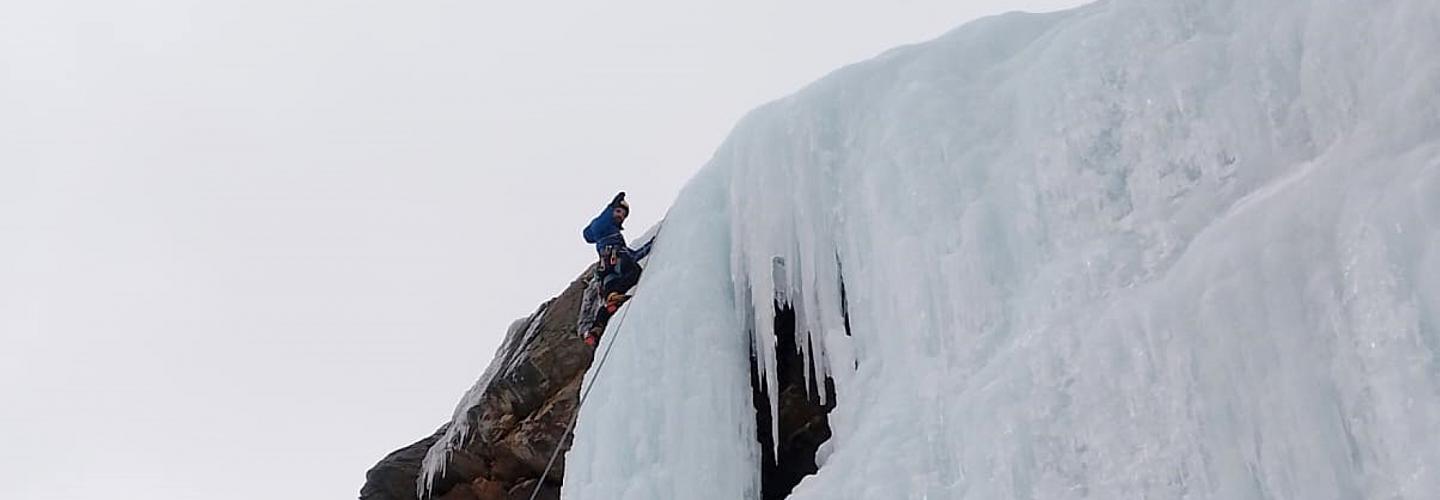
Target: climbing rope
{"x":586,"y":393}
{"x":583,"y":394}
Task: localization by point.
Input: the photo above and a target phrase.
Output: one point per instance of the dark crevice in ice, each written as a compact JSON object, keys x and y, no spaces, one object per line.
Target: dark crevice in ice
{"x":804,"y":420}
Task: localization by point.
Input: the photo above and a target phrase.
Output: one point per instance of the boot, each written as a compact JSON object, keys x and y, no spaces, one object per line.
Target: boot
{"x":613,"y":301}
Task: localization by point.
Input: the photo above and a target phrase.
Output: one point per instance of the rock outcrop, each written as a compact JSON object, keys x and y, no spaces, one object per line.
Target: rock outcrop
{"x":518,"y":419}
{"x":394,"y":477}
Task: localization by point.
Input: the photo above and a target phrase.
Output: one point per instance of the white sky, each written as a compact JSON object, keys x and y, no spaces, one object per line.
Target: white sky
{"x":249,"y":248}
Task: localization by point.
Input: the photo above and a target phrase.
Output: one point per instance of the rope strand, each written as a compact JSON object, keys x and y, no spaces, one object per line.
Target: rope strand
{"x":586,"y":393}
{"x":583,"y":395}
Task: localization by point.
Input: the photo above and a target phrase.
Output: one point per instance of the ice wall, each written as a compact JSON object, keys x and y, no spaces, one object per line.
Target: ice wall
{"x":1141,"y":249}
{"x":670,"y":415}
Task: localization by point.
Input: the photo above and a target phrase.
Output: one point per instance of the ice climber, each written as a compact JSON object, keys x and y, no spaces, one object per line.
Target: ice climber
{"x":618,"y":270}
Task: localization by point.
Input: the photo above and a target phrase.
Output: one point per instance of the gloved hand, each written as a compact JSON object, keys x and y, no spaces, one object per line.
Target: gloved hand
{"x":618,"y":198}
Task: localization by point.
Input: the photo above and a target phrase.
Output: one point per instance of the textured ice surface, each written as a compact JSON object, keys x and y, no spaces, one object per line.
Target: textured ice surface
{"x":1141,"y":249}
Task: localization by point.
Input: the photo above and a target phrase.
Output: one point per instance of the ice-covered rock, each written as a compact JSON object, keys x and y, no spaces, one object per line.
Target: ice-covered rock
{"x":505,"y":428}
{"x":1139,"y":249}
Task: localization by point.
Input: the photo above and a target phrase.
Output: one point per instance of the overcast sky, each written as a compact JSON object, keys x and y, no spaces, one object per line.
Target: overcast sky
{"x":249,"y":248}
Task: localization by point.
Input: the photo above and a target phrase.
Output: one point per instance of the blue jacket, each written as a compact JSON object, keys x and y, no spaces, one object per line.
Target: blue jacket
{"x":605,"y":233}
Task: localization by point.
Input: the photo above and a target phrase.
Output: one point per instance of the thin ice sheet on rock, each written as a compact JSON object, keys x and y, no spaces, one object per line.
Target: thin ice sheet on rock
{"x":1140,"y":249}
{"x":520,"y":332}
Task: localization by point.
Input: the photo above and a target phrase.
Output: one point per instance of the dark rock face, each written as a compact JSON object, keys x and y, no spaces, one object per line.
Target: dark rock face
{"x":394,"y":477}
{"x":804,"y":422}
{"x":520,"y":418}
